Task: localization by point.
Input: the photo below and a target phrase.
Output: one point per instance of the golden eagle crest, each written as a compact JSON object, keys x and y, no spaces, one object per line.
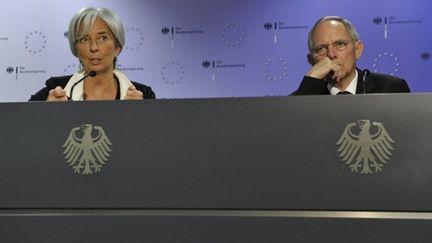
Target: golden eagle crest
{"x":84,"y":152}
{"x":365,"y":151}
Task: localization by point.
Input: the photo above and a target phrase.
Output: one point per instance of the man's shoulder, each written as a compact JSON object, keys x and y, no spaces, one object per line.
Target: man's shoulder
{"x":382,"y":76}
{"x":388,"y":83}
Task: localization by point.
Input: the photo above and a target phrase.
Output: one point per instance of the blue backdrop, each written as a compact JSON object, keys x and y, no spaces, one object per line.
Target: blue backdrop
{"x":200,"y":48}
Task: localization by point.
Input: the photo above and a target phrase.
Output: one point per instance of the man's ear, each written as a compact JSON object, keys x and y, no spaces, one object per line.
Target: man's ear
{"x":358,"y":48}
{"x":310,"y":59}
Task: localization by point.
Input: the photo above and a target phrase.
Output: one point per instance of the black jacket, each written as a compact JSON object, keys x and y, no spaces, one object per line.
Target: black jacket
{"x":53,"y":82}
{"x":374,"y":83}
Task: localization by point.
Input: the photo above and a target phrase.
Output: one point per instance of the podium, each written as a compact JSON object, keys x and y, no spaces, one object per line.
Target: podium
{"x":269,"y":169}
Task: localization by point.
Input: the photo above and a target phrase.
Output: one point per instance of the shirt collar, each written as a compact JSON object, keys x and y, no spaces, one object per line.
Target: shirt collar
{"x":78,"y":91}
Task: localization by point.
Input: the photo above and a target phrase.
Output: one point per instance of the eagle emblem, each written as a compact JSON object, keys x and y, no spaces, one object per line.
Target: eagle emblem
{"x":87,"y":149}
{"x":364,"y":150}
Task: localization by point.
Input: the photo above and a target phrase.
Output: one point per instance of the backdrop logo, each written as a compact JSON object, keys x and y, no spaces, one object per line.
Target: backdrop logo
{"x":136,"y":36}
{"x":166,"y":30}
{"x":386,"y":63}
{"x":87,"y":149}
{"x":377,"y":20}
{"x":268,"y":26}
{"x":11,"y":69}
{"x":275,"y":68}
{"x":4,"y":38}
{"x":281,"y":26}
{"x":425,"y":56}
{"x":129,"y":68}
{"x":21,"y":70}
{"x":365,"y":146}
{"x":172,"y":72}
{"x":174,"y":31}
{"x":390,"y":20}
{"x":207,"y":64}
{"x":233,"y":35}
{"x":35,"y":42}
{"x":218,"y":64}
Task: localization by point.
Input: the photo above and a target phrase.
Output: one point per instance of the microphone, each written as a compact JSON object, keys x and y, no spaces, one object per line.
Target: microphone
{"x":90,"y":74}
{"x":366,"y":73}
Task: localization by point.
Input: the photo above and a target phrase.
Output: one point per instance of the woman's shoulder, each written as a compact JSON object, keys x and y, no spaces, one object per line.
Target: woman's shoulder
{"x":147,"y":90}
{"x":50,"y":84}
{"x":57,"y":81}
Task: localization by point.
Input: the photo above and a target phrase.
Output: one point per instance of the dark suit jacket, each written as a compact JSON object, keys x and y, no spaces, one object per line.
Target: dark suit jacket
{"x":374,"y":83}
{"x":53,"y":82}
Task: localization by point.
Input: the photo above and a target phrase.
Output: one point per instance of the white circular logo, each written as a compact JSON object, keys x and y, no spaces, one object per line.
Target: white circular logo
{"x":275,"y":69}
{"x":136,"y":36}
{"x":35,"y":42}
{"x":172,"y":72}
{"x":386,"y":63}
{"x":233,"y":35}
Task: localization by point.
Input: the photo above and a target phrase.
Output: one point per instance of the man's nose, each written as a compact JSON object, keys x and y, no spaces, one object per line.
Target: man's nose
{"x":331,"y":52}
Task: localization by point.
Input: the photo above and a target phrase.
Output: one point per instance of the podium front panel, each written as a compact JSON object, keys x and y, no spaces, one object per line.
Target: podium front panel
{"x":237,"y":153}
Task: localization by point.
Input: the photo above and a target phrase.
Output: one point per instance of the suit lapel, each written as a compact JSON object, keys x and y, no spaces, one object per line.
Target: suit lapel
{"x":361,"y":86}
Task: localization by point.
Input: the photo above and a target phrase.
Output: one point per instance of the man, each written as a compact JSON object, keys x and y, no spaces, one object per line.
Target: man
{"x":334,"y":48}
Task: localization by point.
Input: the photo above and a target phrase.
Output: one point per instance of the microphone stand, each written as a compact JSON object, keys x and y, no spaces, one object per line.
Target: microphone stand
{"x":90,"y":74}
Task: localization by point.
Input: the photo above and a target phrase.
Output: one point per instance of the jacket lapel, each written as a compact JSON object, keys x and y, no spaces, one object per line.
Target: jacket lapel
{"x":364,"y":86}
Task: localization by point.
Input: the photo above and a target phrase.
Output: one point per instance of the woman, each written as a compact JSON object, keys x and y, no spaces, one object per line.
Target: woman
{"x":96,"y":37}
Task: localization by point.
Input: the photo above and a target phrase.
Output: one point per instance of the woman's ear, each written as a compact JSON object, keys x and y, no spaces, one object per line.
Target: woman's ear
{"x":117,"y":50}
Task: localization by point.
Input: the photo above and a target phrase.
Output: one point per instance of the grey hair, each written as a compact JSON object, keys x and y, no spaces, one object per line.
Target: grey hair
{"x":352,"y":32}
{"x":82,"y":21}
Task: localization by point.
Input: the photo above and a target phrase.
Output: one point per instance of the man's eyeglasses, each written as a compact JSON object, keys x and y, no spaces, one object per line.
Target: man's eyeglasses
{"x":340,"y":45}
